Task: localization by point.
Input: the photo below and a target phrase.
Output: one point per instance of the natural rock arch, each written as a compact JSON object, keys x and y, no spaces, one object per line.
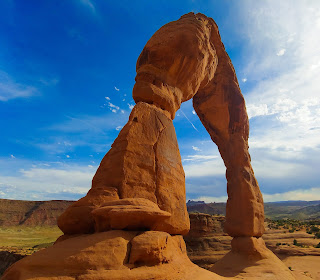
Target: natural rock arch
{"x":136,"y":208}
{"x":142,"y":174}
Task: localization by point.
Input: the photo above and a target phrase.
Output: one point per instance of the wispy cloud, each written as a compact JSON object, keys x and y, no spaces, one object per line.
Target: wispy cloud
{"x":199,"y":158}
{"x":113,"y":108}
{"x":66,"y":182}
{"x":281,"y":52}
{"x":300,"y":194}
{"x":118,"y":128}
{"x":11,"y":89}
{"x":196,"y":149}
{"x":116,"y":89}
{"x":89,"y":4}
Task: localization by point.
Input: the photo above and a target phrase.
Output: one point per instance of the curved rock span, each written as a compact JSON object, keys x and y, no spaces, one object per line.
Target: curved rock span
{"x":131,"y":222}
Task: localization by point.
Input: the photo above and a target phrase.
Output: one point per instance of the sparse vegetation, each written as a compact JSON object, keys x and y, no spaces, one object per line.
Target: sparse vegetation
{"x":27,"y":240}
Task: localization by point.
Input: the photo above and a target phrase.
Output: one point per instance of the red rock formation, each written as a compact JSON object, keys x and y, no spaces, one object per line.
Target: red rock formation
{"x":140,"y":182}
{"x":144,"y":160}
{"x":221,"y":108}
{"x":111,"y":255}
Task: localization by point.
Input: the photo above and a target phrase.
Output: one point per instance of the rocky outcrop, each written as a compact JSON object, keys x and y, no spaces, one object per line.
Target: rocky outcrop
{"x":206,"y":241}
{"x":144,"y":162}
{"x":202,"y":225}
{"x":140,"y":183}
{"x":111,"y":255}
{"x":7,"y":259}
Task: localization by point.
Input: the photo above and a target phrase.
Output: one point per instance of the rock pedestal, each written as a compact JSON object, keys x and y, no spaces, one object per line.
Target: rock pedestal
{"x":143,"y":162}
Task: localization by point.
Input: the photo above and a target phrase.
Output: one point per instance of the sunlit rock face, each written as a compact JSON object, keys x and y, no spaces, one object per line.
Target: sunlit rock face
{"x":131,"y":222}
{"x":183,"y":59}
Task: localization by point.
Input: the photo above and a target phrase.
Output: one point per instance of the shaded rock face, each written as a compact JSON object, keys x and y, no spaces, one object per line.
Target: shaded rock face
{"x":202,"y":225}
{"x":184,"y":59}
{"x":7,"y":259}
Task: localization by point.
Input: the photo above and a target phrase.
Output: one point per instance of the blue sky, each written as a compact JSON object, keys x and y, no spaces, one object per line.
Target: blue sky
{"x":67,"y":71}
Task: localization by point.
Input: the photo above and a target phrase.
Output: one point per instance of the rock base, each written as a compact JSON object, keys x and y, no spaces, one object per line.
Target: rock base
{"x":110,"y":255}
{"x":251,"y":259}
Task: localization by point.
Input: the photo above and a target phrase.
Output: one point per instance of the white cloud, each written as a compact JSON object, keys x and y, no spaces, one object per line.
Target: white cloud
{"x":299,"y":194}
{"x":89,"y":4}
{"x":47,"y":183}
{"x":10,"y":89}
{"x":119,"y":127}
{"x":209,"y":199}
{"x":108,"y":98}
{"x":244,"y":80}
{"x":88,"y":124}
{"x":12,"y":156}
{"x":113,"y":106}
{"x":281,"y":52}
{"x":196,"y":149}
{"x":67,"y":156}
{"x":199,"y":157}
{"x":199,"y":166}
{"x":254,"y":110}
{"x":285,"y":97}
{"x":194,"y":112}
{"x":116,"y":89}
{"x":130,"y":106}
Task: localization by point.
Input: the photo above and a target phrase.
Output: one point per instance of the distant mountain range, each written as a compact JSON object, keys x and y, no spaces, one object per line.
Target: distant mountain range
{"x":299,"y":210}
{"x":33,"y":213}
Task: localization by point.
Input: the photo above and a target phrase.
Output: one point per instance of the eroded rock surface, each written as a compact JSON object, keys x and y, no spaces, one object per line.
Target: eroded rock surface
{"x":111,"y":255}
{"x":140,"y":183}
{"x":183,"y":59}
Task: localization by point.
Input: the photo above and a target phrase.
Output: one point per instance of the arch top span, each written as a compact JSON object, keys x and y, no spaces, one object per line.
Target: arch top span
{"x":142,"y":174}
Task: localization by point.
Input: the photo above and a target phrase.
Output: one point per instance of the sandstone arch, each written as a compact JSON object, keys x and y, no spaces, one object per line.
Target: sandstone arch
{"x":136,"y":208}
{"x":184,"y":59}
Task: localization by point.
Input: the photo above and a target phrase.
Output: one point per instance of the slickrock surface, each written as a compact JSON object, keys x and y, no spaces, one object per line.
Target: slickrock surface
{"x":140,"y":183}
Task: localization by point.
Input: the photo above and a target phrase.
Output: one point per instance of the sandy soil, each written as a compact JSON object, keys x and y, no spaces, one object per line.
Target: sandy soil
{"x":303,"y":267}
